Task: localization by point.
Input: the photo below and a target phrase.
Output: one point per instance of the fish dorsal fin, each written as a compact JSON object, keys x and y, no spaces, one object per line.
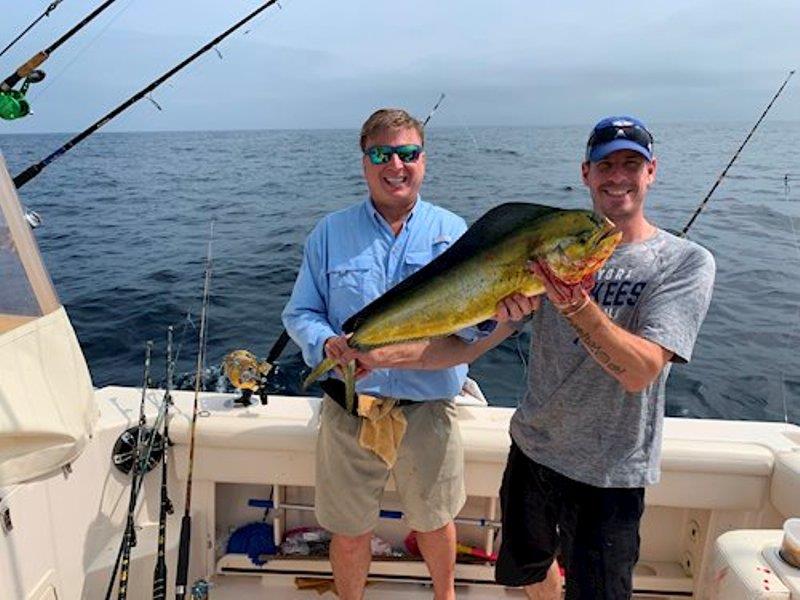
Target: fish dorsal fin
{"x":498,"y":224}
{"x":495,"y":226}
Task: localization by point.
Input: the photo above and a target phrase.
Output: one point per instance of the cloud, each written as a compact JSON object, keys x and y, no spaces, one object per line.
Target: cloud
{"x":320,"y":64}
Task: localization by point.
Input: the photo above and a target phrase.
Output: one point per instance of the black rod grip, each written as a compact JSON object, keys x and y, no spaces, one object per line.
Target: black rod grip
{"x":182,"y":570}
{"x":160,"y":579}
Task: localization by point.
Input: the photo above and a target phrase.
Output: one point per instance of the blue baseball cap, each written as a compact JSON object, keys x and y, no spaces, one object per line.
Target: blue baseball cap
{"x":619,"y":133}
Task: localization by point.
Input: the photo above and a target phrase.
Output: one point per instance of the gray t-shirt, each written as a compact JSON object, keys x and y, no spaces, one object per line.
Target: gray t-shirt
{"x":577,"y":419}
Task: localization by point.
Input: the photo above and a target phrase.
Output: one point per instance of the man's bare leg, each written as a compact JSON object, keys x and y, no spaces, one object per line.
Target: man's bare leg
{"x":438,"y":548}
{"x":549,"y":589}
{"x":350,"y":558}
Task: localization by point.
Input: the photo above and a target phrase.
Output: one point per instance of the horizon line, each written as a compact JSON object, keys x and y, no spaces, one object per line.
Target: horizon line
{"x":357,"y":127}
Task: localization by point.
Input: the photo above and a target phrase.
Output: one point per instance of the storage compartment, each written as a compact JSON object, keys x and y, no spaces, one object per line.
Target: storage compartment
{"x":287,"y":508}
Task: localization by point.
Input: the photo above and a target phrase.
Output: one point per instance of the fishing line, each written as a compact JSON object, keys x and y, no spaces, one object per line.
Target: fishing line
{"x":258,"y":22}
{"x":186,"y":522}
{"x":469,"y":133}
{"x":53,"y":5}
{"x":700,"y":208}
{"x":797,"y":323}
{"x":34,"y":170}
{"x":186,"y":323}
{"x":54,"y":78}
{"x":787,"y":188}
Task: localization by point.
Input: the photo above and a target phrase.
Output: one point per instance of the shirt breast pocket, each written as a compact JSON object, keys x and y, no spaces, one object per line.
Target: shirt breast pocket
{"x":414,"y":261}
{"x":417,"y":259}
{"x":350,"y":286}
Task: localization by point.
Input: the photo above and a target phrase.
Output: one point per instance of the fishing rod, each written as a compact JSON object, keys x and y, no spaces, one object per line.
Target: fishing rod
{"x":186,"y":521}
{"x":129,"y":537}
{"x":160,"y":571}
{"x":46,"y":13}
{"x":34,"y":170}
{"x":153,"y":444}
{"x":700,"y":208}
{"x":382,"y":513}
{"x":13,"y":104}
{"x":147,"y":459}
{"x":433,"y":110}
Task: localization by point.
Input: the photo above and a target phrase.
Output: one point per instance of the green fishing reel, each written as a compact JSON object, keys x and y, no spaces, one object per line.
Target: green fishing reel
{"x":13,"y":103}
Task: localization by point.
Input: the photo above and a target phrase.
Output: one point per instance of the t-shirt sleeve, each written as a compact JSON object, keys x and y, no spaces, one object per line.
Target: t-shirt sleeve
{"x":672,"y":313}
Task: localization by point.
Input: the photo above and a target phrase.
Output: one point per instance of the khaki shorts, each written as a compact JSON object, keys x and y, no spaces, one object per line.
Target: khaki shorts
{"x":428,"y":474}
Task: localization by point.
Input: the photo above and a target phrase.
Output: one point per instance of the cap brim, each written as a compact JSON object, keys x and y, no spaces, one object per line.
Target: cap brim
{"x":603,"y":150}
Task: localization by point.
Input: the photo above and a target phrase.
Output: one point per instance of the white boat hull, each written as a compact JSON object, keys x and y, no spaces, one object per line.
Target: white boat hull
{"x":65,"y":530}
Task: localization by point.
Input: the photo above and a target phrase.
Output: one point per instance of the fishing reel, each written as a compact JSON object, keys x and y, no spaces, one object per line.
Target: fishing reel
{"x":247,"y":375}
{"x":124,"y":453}
{"x":13,"y":103}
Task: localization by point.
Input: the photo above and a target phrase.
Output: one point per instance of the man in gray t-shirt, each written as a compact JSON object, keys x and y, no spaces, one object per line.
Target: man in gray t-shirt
{"x":586,"y":437}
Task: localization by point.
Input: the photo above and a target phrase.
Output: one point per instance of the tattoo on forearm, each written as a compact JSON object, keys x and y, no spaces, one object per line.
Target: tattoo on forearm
{"x":594,"y":348}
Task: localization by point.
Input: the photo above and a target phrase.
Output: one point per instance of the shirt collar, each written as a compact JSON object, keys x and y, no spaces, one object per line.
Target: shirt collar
{"x":378,"y":217}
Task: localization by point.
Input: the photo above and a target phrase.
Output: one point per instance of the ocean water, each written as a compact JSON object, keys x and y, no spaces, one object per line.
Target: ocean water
{"x":127,"y":215}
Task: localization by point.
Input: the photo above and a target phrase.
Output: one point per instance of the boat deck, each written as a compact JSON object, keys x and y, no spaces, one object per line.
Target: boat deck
{"x":233,"y":587}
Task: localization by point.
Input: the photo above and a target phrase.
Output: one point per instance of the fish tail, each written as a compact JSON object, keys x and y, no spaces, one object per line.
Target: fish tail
{"x":350,"y":385}
{"x":317,"y":372}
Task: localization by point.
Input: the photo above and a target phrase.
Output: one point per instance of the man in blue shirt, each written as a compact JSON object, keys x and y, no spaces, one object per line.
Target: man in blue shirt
{"x":351,"y":257}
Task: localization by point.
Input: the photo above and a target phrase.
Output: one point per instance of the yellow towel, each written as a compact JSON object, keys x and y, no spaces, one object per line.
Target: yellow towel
{"x":382,"y":427}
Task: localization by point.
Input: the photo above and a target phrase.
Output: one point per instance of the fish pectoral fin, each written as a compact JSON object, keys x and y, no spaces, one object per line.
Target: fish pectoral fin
{"x":350,"y":385}
{"x":318,"y":371}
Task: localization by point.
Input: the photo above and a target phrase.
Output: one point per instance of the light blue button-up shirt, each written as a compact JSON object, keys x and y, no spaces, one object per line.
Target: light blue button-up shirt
{"x":352,"y":257}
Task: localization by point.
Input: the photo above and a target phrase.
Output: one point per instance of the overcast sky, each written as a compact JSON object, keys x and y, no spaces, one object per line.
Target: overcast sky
{"x":318,"y":63}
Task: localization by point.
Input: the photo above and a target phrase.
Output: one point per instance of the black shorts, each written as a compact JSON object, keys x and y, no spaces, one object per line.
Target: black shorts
{"x":593,"y":531}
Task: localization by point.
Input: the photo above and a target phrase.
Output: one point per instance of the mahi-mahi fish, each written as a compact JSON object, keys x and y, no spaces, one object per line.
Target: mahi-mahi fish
{"x":462,"y":286}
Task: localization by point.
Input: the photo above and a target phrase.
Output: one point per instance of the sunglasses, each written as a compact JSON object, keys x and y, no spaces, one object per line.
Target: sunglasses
{"x":633,"y":133}
{"x":380,"y":155}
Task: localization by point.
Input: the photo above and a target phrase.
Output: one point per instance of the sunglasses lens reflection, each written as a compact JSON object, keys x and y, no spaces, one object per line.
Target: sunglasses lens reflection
{"x":408,"y":153}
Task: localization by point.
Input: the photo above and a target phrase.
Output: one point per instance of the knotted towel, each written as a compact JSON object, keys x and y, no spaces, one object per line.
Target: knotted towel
{"x":382,"y":427}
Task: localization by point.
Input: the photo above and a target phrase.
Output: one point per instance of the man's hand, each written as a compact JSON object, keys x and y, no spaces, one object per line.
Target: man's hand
{"x":337,"y":348}
{"x":566,"y":297}
{"x":516,"y":307}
